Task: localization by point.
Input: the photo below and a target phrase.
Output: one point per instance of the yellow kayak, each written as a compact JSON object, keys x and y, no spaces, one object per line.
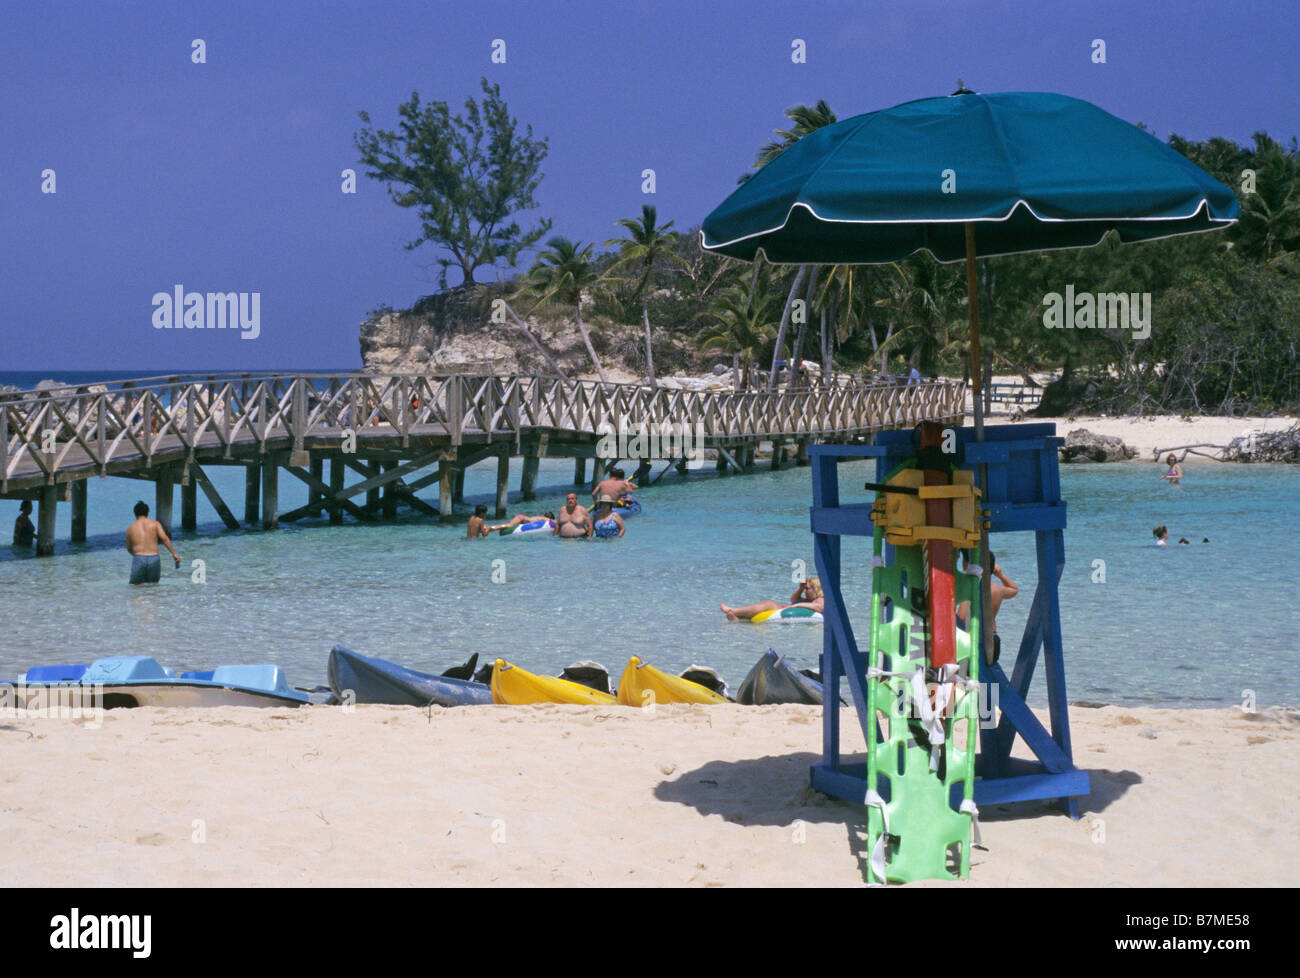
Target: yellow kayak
{"x":516,"y":687}
{"x":639,"y":680}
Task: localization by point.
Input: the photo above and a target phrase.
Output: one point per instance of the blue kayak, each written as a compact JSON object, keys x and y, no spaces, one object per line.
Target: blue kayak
{"x":138,"y":680}
{"x":627,"y":506}
{"x":379,"y":681}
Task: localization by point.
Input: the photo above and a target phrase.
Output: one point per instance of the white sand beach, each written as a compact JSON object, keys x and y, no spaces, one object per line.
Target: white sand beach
{"x":577,"y":796}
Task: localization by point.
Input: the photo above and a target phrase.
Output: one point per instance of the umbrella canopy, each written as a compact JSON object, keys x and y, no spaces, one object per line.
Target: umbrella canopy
{"x":1031,"y":170}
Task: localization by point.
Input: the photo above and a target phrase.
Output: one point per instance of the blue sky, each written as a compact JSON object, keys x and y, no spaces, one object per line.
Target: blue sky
{"x":225,"y":176}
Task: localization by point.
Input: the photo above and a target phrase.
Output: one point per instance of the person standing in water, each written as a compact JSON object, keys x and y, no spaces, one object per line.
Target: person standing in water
{"x":142,"y":539}
{"x":24,"y":531}
{"x":1175,"y":473}
{"x":607,"y":523}
{"x":1000,"y":591}
{"x":1161,"y":533}
{"x":573,"y":521}
{"x":615,"y":485}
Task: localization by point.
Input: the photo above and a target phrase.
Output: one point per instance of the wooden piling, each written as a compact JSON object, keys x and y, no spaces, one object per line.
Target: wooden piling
{"x":315,"y":499}
{"x":778,"y":454}
{"x":252,"y":492}
{"x":45,"y":521}
{"x":189,"y":505}
{"x":389,"y":497}
{"x":445,"y":509}
{"x":801,"y":452}
{"x":79,"y":511}
{"x":270,"y":492}
{"x":528,"y":481}
{"x":164,"y":492}
{"x":336,"y":486}
{"x":458,"y":486}
{"x":503,"y":483}
{"x":579,"y":471}
{"x":372,"y":495}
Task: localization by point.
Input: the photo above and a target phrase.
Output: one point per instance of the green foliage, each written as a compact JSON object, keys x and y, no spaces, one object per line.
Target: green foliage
{"x":465,"y":174}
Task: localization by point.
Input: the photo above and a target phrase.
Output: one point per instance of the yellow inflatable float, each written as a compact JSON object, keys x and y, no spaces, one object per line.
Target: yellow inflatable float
{"x":514,"y":686}
{"x":640,"y":682}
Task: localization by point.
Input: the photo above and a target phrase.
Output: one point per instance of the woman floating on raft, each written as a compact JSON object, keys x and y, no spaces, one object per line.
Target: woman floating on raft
{"x":807,"y":595}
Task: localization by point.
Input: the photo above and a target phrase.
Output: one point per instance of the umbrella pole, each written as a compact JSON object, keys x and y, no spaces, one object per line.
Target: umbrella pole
{"x":976,"y":376}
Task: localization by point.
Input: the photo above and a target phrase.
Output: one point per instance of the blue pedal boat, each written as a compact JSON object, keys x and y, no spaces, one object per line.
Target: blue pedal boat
{"x":138,"y":680}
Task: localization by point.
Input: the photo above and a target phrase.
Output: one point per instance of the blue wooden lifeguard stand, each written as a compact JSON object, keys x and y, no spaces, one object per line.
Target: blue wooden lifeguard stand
{"x":1023,"y":495}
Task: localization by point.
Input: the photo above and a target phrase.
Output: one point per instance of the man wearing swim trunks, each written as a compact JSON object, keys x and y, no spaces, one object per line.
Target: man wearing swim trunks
{"x":142,"y":539}
{"x":573,"y":521}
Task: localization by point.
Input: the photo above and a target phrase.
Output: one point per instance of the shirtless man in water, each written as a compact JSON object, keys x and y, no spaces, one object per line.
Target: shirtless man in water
{"x":573,"y":521}
{"x":615,"y":486}
{"x":142,"y":539}
{"x":807,"y":595}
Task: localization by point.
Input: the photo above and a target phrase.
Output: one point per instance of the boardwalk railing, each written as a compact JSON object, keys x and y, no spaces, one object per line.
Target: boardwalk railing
{"x":49,"y":435}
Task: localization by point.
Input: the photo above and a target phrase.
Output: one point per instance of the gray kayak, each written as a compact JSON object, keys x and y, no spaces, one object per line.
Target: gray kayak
{"x":772,"y":681}
{"x":379,"y":681}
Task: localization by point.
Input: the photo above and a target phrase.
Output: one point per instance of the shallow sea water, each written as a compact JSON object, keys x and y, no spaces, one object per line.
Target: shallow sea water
{"x":1183,"y":626}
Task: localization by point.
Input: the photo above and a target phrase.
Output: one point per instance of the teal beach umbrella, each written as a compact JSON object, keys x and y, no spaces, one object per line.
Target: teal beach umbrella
{"x":966,"y":176}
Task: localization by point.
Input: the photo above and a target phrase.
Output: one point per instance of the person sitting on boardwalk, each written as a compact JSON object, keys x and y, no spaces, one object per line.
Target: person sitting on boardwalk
{"x":142,"y":539}
{"x":24,"y":531}
{"x":615,"y":485}
{"x":1175,"y":472}
{"x":807,"y":595}
{"x":1003,"y":589}
{"x":573,"y":521}
{"x":607,"y":522}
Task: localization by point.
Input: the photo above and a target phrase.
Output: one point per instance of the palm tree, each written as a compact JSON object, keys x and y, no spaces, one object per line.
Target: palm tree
{"x":560,"y":274}
{"x":647,"y":243}
{"x":806,"y":119}
{"x":1270,"y":217}
{"x":743,"y":325}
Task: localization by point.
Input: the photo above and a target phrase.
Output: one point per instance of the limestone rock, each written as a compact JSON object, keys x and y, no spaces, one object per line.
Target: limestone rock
{"x":1081,"y":445}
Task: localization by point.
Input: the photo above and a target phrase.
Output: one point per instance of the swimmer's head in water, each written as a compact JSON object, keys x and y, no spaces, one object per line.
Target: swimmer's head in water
{"x":549,"y":515}
{"x":141,"y":508}
{"x":1183,"y":540}
{"x":480,"y":510}
{"x":1160,"y":532}
{"x":1205,"y":539}
{"x":571,"y":499}
{"x":814,"y":587}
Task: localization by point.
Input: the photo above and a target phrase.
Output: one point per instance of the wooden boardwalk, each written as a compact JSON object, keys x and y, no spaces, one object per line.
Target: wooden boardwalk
{"x":389,"y":427}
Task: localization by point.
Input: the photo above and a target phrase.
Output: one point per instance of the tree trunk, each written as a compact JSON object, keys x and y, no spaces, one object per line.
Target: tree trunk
{"x":582,"y":328}
{"x":796,"y":357}
{"x":785,"y":323}
{"x":649,"y":352}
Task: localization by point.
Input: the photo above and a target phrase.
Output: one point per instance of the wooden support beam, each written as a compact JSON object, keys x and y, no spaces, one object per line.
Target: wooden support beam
{"x":503,"y":483}
{"x":721,"y":464}
{"x":391,"y":472}
{"x":801,"y":452}
{"x":642,"y":471}
{"x":45,"y":521}
{"x":252,"y":492}
{"x":164,"y":494}
{"x":197,"y":475}
{"x":528,"y":480}
{"x":778,"y":454}
{"x":189,"y":506}
{"x":79,"y":510}
{"x":315,"y":499}
{"x":730,"y":459}
{"x":579,"y":472}
{"x":390,"y":501}
{"x":458,"y":486}
{"x":405,"y":494}
{"x":313,"y":483}
{"x":270,"y":492}
{"x":337,"y":471}
{"x":444,"y":492}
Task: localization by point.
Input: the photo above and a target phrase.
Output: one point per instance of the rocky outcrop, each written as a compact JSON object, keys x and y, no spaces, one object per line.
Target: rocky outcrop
{"x":1081,"y":445}
{"x":1276,"y":446}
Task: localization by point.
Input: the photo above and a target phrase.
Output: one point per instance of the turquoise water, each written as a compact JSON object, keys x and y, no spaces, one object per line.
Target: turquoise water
{"x":1189,"y":626}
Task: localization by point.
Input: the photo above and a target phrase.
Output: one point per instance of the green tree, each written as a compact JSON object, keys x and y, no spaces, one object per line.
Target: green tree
{"x":647,"y":245}
{"x":742,"y":323}
{"x":561,"y":274}
{"x":466,"y":174}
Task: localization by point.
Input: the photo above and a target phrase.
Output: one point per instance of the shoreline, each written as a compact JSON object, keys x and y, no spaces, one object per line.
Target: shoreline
{"x":617,"y":796}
